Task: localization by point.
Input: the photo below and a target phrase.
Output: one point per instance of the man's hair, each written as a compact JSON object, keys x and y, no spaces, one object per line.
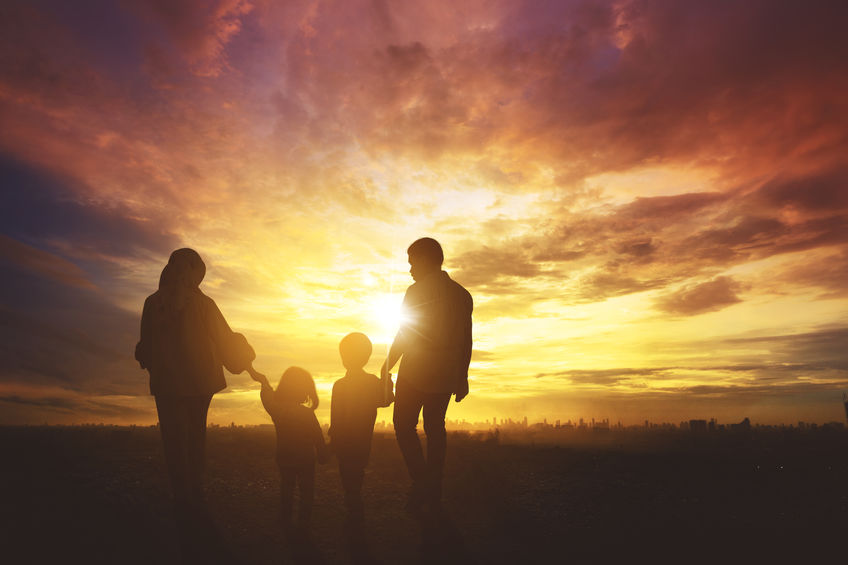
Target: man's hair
{"x":355,"y":349}
{"x":429,"y":248}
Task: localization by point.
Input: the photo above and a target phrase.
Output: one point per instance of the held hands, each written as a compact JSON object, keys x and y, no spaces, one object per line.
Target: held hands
{"x":258,"y":377}
{"x":388,"y":386}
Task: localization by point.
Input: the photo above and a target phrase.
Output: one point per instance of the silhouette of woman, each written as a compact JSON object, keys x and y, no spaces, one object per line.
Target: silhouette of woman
{"x":184,"y":343}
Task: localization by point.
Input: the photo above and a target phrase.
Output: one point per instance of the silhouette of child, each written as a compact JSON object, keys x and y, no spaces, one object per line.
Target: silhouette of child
{"x":300,"y":441}
{"x":353,"y":411}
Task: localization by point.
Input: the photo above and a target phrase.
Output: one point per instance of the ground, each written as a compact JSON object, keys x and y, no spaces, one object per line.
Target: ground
{"x":100,"y":495}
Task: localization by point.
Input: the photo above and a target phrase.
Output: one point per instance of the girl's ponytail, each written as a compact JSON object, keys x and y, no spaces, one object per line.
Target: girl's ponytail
{"x":312,"y":394}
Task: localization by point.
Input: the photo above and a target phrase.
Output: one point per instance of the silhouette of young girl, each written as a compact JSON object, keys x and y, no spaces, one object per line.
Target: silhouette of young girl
{"x":300,"y":441}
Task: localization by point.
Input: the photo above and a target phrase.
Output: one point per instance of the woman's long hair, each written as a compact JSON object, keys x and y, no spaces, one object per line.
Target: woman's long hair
{"x":297,"y":385}
{"x":181,"y":277}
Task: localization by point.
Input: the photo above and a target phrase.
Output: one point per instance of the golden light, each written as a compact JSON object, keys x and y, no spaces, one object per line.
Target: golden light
{"x":388,"y":312}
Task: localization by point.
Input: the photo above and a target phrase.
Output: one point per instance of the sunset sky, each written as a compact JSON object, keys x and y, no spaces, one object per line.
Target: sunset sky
{"x":647,"y":200}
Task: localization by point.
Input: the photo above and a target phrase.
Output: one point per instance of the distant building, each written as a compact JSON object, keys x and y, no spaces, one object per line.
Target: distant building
{"x":698,"y":426}
{"x":744,"y":425}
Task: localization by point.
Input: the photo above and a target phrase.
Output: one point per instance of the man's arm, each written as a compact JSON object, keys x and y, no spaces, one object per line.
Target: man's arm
{"x":398,"y":346}
{"x":462,"y":385}
{"x":385,"y":391}
{"x":395,"y":353}
{"x":335,"y":411}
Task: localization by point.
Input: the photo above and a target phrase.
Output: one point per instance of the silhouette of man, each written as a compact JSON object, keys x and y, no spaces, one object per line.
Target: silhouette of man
{"x":435,"y":344}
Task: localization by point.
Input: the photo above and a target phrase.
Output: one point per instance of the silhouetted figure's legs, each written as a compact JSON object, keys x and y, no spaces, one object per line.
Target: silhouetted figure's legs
{"x":408,"y":404}
{"x":182,"y":423}
{"x":198,"y":408}
{"x":435,"y":406}
{"x":352,"y":473}
{"x":302,"y":477}
{"x":306,"y":482}
{"x":288,"y":478}
{"x":426,"y":474}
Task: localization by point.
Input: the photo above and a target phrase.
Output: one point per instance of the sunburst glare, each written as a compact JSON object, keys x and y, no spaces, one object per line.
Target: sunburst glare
{"x":389,"y":314}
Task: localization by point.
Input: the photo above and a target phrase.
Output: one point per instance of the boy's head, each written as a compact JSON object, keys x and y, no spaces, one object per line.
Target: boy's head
{"x":355,"y":349}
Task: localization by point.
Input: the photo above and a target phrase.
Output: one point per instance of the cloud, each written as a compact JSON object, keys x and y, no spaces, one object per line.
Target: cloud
{"x":661,"y":242}
{"x":825,"y":272}
{"x":824,"y":347}
{"x":65,"y":335}
{"x":47,"y":210}
{"x":41,"y":262}
{"x":487,"y":266}
{"x":606,"y":376}
{"x":822,"y":192}
{"x":200,"y":30}
{"x":587,"y":88}
{"x":571,"y":155}
{"x":709,"y":296}
{"x":36,"y":406}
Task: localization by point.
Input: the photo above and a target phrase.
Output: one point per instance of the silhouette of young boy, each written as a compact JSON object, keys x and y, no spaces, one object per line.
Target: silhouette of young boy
{"x":353,"y":411}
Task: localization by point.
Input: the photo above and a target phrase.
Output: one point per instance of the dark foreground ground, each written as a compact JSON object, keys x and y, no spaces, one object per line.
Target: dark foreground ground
{"x":100,"y":495}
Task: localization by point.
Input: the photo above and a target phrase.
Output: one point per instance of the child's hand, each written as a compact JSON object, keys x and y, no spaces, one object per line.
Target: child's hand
{"x":258,"y":377}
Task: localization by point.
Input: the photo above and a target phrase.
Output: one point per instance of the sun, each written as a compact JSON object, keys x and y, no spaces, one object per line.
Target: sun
{"x":388,"y":312}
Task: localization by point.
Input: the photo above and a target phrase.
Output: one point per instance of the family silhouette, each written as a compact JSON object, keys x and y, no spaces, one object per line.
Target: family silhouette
{"x":186,"y":343}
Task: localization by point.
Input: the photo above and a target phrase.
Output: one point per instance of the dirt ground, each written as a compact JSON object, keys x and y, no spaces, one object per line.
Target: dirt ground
{"x":100,"y":495}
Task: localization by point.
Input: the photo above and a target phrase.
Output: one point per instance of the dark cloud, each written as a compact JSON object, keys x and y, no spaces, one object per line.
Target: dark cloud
{"x":46,"y":264}
{"x":658,"y":242}
{"x":822,"y":192}
{"x":825,"y":347}
{"x":485,"y":266}
{"x":199,"y":30}
{"x":782,"y":391}
{"x":828,"y":273}
{"x":761,"y":373}
{"x":58,"y":335}
{"x":702,"y":297}
{"x":606,"y":376}
{"x":72,"y":409}
{"x":41,"y":209}
{"x":585,"y":86}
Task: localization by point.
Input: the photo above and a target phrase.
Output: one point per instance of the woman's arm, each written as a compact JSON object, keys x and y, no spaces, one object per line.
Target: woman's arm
{"x":258,"y":377}
{"x":142,"y":348}
{"x":234,"y":351}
